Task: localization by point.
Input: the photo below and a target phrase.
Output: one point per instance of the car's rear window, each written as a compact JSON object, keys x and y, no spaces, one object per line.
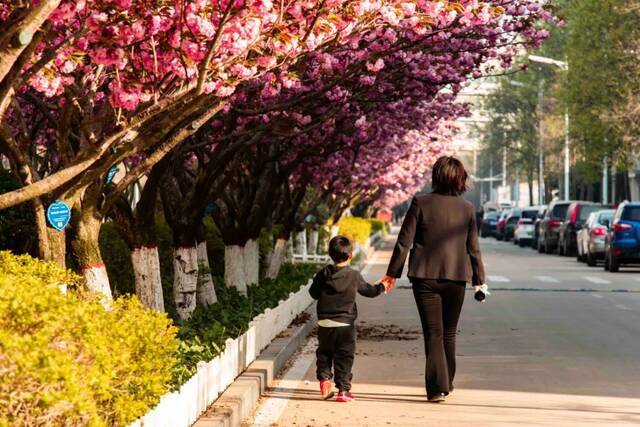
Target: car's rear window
{"x":491,"y":215}
{"x":529,"y":214}
{"x":585,"y":211}
{"x":559,"y":211}
{"x":631,"y":213}
{"x":605,"y":217}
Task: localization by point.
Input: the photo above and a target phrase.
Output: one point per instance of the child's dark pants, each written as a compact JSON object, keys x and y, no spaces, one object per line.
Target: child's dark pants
{"x":336,"y":346}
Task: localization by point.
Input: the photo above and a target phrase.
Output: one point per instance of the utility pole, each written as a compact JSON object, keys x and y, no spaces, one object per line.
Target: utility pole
{"x":516,"y":192}
{"x":566,"y":155}
{"x":605,"y":182}
{"x":613,"y":184}
{"x":491,"y":176}
{"x":540,"y":145}
{"x":504,"y":166}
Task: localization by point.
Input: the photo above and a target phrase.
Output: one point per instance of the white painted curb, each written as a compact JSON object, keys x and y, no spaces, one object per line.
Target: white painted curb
{"x":183,"y":407}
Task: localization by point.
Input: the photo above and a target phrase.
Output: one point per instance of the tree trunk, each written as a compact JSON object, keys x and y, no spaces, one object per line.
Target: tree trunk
{"x":234,"y":268}
{"x":312,"y":247}
{"x":206,"y":294}
{"x":277,"y":258}
{"x":146,"y":268}
{"x":301,"y":243}
{"x":87,"y":251}
{"x":57,"y":243}
{"x":185,"y":280}
{"x":51,"y":243}
{"x":334,"y":230}
{"x":251,"y":262}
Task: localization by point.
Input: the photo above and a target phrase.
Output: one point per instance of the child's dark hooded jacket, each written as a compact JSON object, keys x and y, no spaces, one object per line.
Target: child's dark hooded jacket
{"x":335,"y":289}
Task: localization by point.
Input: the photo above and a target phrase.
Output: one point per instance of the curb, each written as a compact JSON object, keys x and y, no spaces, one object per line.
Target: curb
{"x":239,"y":399}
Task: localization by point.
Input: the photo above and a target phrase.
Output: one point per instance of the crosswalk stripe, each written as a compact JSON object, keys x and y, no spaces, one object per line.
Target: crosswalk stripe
{"x":622,"y":307}
{"x":597,"y":296}
{"x":597,"y":280}
{"x":547,"y":279}
{"x":501,"y":279}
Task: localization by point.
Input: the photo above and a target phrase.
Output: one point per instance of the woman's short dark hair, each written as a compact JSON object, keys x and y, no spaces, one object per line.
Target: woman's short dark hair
{"x":449,"y":176}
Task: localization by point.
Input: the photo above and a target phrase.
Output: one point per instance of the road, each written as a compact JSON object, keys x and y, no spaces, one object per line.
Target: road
{"x":558,"y":343}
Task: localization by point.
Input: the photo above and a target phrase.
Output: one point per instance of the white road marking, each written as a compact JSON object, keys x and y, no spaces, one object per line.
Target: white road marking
{"x":597,"y":296}
{"x":597,"y":280}
{"x":272,"y":409}
{"x":501,"y":279}
{"x":622,"y":307}
{"x":547,"y":279}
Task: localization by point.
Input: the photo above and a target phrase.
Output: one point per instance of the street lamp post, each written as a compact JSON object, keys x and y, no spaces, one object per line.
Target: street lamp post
{"x":563,"y":65}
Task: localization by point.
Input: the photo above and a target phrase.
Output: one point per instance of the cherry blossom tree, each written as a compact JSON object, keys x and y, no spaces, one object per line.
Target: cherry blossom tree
{"x":253,"y":96}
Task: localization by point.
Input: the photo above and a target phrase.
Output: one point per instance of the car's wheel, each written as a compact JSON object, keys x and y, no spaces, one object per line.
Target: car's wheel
{"x":521,"y":243}
{"x":591,"y":259}
{"x":614,"y":264}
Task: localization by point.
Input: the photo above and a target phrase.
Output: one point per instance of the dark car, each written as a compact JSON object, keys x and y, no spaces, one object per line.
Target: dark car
{"x":511,"y":223}
{"x":542,"y":209}
{"x":574,"y":220}
{"x":622,"y":244}
{"x":489,"y":223}
{"x":550,"y":225}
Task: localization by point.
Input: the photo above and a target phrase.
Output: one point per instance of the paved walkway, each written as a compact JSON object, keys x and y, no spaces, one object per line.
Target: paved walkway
{"x":525,"y":357}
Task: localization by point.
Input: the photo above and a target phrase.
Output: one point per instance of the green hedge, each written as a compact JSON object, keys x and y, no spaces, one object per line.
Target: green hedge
{"x":204,"y":334}
{"x":66,"y":360}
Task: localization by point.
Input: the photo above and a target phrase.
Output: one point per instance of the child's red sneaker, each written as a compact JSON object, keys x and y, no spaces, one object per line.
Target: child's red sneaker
{"x":325,"y":389}
{"x":345,"y":396}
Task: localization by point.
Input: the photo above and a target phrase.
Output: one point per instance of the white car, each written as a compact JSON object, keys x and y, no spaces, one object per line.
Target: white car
{"x":523,"y":234}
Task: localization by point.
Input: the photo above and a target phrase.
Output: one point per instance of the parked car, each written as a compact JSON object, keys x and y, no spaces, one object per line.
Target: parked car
{"x":511,"y":223}
{"x":590,"y":239}
{"x":489,"y":222}
{"x":502,"y":222}
{"x":523,"y":234}
{"x":622,"y":243}
{"x":576,"y":216}
{"x":550,"y":224}
{"x":542,"y":209}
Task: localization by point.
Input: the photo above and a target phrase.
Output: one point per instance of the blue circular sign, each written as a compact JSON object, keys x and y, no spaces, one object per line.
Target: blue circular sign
{"x":58,"y":215}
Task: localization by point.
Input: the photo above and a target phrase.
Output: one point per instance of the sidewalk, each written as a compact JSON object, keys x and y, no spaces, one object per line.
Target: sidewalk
{"x":496,"y":383}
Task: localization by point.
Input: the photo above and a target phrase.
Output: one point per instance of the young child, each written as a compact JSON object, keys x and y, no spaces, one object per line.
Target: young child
{"x":335,"y":288}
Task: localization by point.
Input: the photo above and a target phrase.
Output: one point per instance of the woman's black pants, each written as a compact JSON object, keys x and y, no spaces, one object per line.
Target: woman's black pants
{"x":439,"y":304}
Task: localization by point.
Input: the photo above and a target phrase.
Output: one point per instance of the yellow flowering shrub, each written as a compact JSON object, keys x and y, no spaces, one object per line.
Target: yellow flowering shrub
{"x":66,"y":360}
{"x":355,"y":228}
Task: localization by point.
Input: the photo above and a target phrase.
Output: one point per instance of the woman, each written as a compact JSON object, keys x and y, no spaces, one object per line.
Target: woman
{"x":440,"y":233}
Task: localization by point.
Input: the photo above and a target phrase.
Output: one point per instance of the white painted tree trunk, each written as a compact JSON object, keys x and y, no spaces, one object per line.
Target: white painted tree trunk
{"x":301,"y":243}
{"x":288,"y":253}
{"x":276,"y":259}
{"x":206,"y":289}
{"x":234,"y":268}
{"x":312,"y":247}
{"x":334,"y":230}
{"x":251,"y":259}
{"x":97,"y":280}
{"x":146,"y":269}
{"x":185,"y":280}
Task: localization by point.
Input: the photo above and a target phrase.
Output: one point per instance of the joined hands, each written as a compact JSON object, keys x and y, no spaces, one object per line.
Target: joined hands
{"x":388,"y":282}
